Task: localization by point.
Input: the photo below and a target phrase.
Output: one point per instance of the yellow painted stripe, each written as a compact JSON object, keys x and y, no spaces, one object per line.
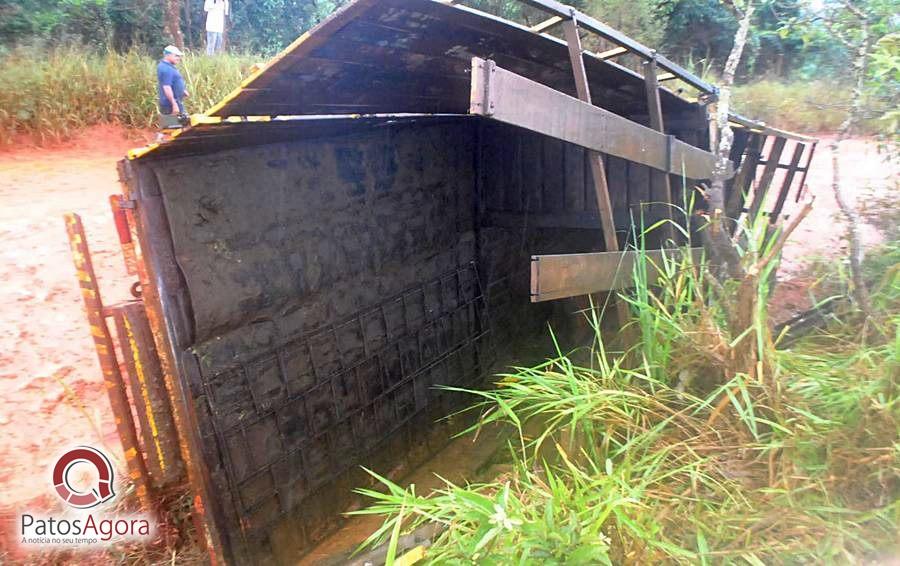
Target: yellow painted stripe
{"x":145,"y":392}
{"x":411,"y":557}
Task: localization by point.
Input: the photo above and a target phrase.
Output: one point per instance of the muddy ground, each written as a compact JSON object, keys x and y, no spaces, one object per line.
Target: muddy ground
{"x":51,"y":394}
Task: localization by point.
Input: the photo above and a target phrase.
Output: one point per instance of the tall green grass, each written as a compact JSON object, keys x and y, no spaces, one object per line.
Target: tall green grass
{"x":805,"y":106}
{"x":620,"y":459}
{"x":50,"y":95}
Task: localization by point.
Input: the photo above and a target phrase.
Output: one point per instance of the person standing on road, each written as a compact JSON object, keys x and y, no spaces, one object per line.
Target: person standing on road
{"x":170,"y":87}
{"x":216,"y":12}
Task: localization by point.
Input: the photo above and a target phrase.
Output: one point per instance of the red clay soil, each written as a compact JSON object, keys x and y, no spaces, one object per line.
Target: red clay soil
{"x":51,"y":393}
{"x":870,"y":182}
{"x":51,"y":390}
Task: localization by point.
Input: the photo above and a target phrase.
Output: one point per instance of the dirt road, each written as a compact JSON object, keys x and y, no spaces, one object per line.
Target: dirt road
{"x":51,"y":394}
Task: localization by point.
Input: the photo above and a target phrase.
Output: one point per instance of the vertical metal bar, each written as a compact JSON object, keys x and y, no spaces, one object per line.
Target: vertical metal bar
{"x":762,"y":189}
{"x":812,"y":151}
{"x":112,"y":378}
{"x":598,"y":172}
{"x":786,"y":185}
{"x":120,"y":218}
{"x":656,"y":122}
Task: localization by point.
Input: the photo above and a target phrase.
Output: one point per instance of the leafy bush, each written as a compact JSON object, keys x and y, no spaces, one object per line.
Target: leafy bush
{"x":617,"y":460}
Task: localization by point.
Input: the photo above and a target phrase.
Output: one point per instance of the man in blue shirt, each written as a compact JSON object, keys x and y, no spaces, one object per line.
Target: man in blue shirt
{"x":170,"y":82}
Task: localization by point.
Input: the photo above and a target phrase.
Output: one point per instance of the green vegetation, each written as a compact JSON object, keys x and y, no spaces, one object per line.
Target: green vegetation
{"x":659,"y":456}
{"x":800,"y":106}
{"x":51,"y":95}
{"x":69,"y":64}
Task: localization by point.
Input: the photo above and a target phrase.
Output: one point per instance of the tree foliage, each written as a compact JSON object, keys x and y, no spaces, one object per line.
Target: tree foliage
{"x":697,"y":33}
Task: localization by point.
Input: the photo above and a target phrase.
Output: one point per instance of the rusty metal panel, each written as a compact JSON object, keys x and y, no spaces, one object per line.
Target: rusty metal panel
{"x":571,"y":275}
{"x":295,"y":418}
{"x":513,"y":99}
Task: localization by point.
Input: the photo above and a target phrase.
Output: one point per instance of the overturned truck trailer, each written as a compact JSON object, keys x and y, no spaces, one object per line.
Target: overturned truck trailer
{"x":371,"y":215}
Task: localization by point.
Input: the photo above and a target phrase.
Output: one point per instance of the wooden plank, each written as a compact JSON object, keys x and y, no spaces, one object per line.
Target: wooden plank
{"x":786,"y":184}
{"x":598,"y":172}
{"x":546,"y":24}
{"x":744,"y":177}
{"x":572,"y":275}
{"x":512,"y":99}
{"x":574,"y":158}
{"x":554,"y":192}
{"x":762,"y":188}
{"x":617,"y":180}
{"x":577,"y":220}
{"x":659,"y":180}
{"x":532,"y":168}
{"x":610,"y":53}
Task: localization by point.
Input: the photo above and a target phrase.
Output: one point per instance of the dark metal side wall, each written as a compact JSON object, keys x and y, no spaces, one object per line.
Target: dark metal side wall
{"x":331,"y":285}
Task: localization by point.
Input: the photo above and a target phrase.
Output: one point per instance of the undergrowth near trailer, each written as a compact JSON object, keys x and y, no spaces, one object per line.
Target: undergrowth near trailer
{"x":52,"y":95}
{"x":659,"y":456}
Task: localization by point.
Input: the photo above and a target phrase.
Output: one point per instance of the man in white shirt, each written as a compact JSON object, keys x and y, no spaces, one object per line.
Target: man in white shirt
{"x":216,"y":11}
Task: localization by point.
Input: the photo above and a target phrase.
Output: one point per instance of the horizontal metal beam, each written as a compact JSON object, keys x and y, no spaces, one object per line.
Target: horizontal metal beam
{"x":572,"y":275}
{"x":507,"y":97}
{"x":590,"y":24}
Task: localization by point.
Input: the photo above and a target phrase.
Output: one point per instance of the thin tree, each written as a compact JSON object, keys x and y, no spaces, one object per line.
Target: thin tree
{"x":172,"y":22}
{"x":744,"y":352}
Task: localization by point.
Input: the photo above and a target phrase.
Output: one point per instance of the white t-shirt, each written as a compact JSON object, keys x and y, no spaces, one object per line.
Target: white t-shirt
{"x":216,"y":10}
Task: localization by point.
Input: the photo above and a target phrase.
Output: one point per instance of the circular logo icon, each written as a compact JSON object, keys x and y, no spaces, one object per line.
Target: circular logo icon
{"x":100,"y":492}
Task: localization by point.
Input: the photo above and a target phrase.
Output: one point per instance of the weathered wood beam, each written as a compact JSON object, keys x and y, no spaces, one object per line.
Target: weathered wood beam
{"x":577,"y":220}
{"x":654,"y":107}
{"x":665,"y":77}
{"x":610,"y":53}
{"x":598,"y":170}
{"x":507,"y":97}
{"x":762,"y":189}
{"x":546,"y":24}
{"x":572,"y":275}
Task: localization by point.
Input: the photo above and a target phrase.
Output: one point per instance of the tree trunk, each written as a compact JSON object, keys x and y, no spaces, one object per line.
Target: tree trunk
{"x":859,"y":291}
{"x":717,"y":239}
{"x":187,"y":23}
{"x":172,"y":23}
